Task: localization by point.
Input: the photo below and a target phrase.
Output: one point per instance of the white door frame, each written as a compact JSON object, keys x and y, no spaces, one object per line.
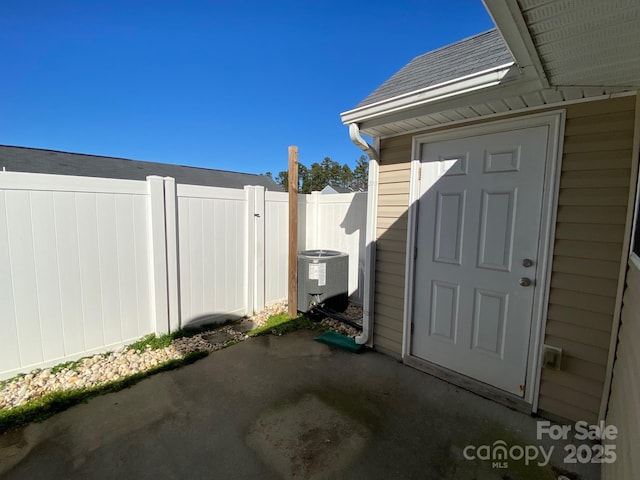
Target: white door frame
{"x":555,"y":120}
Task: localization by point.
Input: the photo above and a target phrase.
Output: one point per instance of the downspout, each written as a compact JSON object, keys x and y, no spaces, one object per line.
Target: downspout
{"x":365,"y":338}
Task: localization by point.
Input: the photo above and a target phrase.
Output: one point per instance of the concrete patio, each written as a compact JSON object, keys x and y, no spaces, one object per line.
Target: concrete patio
{"x":282,"y":407}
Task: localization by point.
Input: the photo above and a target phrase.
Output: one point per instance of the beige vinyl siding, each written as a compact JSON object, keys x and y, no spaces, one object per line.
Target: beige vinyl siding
{"x":592,"y":208}
{"x":625,"y":388}
{"x":594,"y":187}
{"x":391,"y":244}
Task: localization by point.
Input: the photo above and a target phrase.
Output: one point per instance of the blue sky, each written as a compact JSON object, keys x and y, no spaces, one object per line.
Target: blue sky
{"x":218,"y":84}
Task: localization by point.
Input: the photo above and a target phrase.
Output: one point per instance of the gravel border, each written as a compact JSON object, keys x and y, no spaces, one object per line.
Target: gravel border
{"x":108,"y":367}
{"x":353,"y":313}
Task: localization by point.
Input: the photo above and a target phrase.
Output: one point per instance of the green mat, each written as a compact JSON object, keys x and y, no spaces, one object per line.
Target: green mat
{"x":341,"y":341}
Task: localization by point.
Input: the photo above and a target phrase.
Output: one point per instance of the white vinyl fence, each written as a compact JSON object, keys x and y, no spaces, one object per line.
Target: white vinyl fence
{"x":89,"y":264}
{"x":338,"y":222}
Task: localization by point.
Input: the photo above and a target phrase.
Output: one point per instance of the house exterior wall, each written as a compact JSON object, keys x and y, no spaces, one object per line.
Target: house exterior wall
{"x":594,"y":193}
{"x":594,"y":187}
{"x":391,"y":237}
{"x":625,"y":388}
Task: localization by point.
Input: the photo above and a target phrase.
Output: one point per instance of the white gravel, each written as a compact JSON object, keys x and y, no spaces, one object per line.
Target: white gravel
{"x":104,"y":368}
{"x":353,"y":313}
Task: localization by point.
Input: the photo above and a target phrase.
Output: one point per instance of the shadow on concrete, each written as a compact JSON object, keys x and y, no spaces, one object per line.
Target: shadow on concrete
{"x":278,"y":407}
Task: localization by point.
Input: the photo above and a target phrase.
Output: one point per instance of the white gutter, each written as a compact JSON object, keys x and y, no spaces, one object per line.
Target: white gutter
{"x":469,"y":83}
{"x":365,"y":337}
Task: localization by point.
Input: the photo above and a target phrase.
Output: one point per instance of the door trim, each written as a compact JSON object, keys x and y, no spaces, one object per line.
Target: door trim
{"x":555,"y":120}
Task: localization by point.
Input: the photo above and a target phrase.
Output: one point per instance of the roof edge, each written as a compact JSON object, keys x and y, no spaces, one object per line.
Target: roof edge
{"x":130,"y":160}
{"x":507,"y":16}
{"x":458,"y":86}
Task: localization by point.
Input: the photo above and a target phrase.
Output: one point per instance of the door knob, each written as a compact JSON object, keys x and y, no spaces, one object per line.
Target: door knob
{"x":524,"y":282}
{"x":527,"y":262}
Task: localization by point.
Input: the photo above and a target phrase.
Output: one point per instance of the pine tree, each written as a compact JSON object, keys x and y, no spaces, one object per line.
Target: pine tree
{"x":327,"y":172}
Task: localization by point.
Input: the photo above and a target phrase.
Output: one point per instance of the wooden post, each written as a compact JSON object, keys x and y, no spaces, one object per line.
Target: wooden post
{"x":293,"y":231}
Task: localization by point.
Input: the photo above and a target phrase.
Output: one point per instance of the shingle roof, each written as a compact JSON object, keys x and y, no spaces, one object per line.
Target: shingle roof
{"x":338,"y":188}
{"x":35,"y":160}
{"x":472,"y":55}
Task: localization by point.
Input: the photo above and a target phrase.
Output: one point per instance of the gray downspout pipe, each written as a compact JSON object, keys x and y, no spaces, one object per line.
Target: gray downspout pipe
{"x":365,"y":338}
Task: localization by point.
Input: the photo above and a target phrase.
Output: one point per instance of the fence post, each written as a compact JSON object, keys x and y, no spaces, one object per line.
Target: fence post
{"x":292,"y":276}
{"x":250,"y":195}
{"x":158,"y":257}
{"x":259,"y":248}
{"x":173,"y":273}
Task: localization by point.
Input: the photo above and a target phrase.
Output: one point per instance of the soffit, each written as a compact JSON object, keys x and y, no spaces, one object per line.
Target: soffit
{"x":586,"y":42}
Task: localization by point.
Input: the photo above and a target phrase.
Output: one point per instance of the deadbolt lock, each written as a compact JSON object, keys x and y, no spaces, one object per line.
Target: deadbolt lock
{"x":527,"y":262}
{"x":524,"y":282}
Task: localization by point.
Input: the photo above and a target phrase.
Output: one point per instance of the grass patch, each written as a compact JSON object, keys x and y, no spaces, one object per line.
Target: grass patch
{"x":40,"y":409}
{"x":152,"y":341}
{"x":282,"y":323}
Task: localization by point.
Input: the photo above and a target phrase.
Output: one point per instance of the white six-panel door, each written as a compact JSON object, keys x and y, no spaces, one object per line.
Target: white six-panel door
{"x":477,"y":241}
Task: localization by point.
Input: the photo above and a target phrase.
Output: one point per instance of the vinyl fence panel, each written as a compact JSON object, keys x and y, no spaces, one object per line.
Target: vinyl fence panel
{"x":89,"y":264}
{"x":276,"y":246}
{"x":73,"y":267}
{"x":212,"y":255}
{"x":333,"y":222}
{"x":338,"y":222}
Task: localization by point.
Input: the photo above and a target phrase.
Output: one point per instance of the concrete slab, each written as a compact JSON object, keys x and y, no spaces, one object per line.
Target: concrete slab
{"x":307,"y":438}
{"x":282,"y":407}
